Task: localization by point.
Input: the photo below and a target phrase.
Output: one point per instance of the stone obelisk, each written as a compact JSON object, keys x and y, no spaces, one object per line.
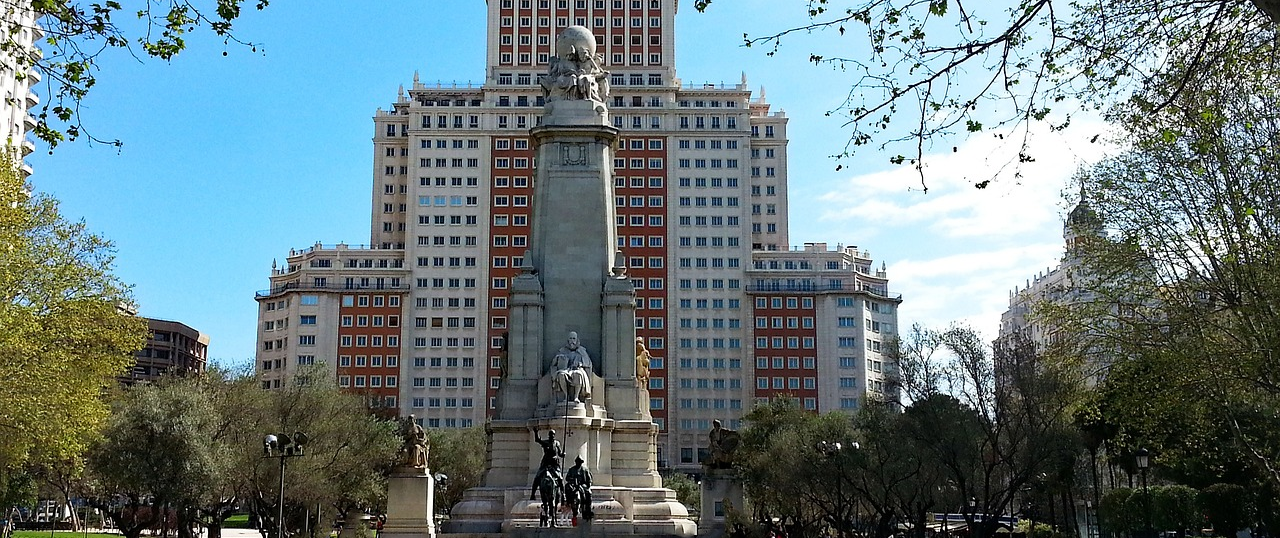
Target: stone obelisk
{"x":570,"y":360}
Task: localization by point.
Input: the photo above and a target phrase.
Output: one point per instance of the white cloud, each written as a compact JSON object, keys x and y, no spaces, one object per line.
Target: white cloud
{"x":953,"y":206}
{"x":956,"y":252}
{"x":969,"y":287}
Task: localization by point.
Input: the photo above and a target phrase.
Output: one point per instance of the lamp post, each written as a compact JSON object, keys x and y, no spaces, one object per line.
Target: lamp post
{"x":1144,"y":461}
{"x":1029,"y":510}
{"x":973,"y":516}
{"x":1089,"y":518}
{"x":282,"y":446}
{"x":442,"y":484}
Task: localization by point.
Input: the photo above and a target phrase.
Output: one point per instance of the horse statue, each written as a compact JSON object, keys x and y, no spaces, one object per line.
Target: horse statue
{"x":552,"y":497}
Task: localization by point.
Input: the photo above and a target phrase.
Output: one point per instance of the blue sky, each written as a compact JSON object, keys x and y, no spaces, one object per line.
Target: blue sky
{"x":230,"y":161}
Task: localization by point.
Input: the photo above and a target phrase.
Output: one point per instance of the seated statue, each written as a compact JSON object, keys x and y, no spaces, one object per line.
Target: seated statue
{"x":571,"y":372}
{"x":722,"y":443}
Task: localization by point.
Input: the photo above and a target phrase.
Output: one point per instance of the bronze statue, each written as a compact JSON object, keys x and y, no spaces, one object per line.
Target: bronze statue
{"x":722,"y":442}
{"x":548,"y":481}
{"x":415,"y":447}
{"x":552,"y":452}
{"x":577,"y":486}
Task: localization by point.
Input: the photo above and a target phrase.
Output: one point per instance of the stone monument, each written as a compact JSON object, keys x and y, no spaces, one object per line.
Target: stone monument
{"x":570,"y":356}
{"x":721,"y":486}
{"x":410,"y":488}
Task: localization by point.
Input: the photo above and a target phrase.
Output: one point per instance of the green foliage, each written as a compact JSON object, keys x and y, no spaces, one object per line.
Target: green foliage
{"x":156,"y":444}
{"x":1041,"y":530}
{"x":795,"y":486}
{"x":962,"y":437}
{"x":1177,"y":301}
{"x":1175,"y":508}
{"x":458,"y":453}
{"x":1226,"y":507}
{"x":688,"y":492}
{"x":64,"y":334}
{"x":347,"y":455}
{"x":195,"y":444}
{"x":77,"y":33}
{"x":1116,"y":513}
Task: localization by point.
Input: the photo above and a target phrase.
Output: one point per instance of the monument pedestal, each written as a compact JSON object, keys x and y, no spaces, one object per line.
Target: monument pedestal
{"x":410,"y":504}
{"x":721,"y":492}
{"x":574,"y":284}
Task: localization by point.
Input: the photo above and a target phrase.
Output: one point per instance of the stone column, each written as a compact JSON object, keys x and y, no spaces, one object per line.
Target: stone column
{"x":523,"y":364}
{"x":574,"y":236}
{"x":622,"y":390}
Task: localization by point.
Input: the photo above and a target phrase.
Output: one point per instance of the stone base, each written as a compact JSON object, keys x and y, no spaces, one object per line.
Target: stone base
{"x":618,"y":511}
{"x":410,"y":504}
{"x":721,"y":492}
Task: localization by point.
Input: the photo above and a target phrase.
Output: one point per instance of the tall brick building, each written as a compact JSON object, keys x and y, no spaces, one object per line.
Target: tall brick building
{"x":416,"y":318}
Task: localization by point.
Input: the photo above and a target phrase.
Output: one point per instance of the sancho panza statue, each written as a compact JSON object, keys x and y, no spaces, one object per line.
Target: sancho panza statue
{"x":575,"y":72}
{"x":570,"y":372}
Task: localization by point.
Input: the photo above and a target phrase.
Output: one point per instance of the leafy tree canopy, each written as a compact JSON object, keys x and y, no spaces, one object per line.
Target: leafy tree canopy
{"x":65,"y":332}
{"x":929,"y":69}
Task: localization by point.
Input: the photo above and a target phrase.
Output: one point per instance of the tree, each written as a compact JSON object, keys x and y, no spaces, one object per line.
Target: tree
{"x":1183,"y":290}
{"x":348,"y":454}
{"x":998,"y":422}
{"x":957,"y":67}
{"x":65,"y":330}
{"x":898,"y":479}
{"x":790,"y":483}
{"x":156,"y":455}
{"x":1227,"y":508}
{"x":688,"y":492}
{"x":459,"y":454}
{"x":76,"y":35}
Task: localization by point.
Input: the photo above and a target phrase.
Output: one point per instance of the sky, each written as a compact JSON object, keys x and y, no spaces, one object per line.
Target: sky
{"x":231,"y":160}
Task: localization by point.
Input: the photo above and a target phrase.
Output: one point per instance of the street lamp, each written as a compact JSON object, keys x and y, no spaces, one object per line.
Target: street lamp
{"x":1029,"y":510}
{"x":282,"y":446}
{"x":1144,"y":461}
{"x":973,"y":516}
{"x":1089,"y":518}
{"x":442,"y":483}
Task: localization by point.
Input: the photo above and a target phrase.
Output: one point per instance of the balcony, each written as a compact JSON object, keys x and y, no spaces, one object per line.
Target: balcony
{"x":293,"y":286}
{"x":813,"y":287}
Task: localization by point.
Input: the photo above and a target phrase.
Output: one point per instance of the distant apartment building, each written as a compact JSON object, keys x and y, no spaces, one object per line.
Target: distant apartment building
{"x":172,"y":348}
{"x":824,"y":321}
{"x":416,"y":319}
{"x":20,"y":35}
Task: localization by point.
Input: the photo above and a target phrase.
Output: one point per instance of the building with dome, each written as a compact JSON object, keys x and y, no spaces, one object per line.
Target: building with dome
{"x":1064,"y":283}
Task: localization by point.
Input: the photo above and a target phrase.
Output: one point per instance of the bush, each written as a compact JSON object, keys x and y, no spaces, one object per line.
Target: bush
{"x":1175,"y":508}
{"x":1227,"y":508}
{"x":1116,"y":513}
{"x":688,"y":492}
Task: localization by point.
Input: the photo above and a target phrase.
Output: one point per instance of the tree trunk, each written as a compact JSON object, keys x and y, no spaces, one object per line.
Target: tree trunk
{"x":183,"y":517}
